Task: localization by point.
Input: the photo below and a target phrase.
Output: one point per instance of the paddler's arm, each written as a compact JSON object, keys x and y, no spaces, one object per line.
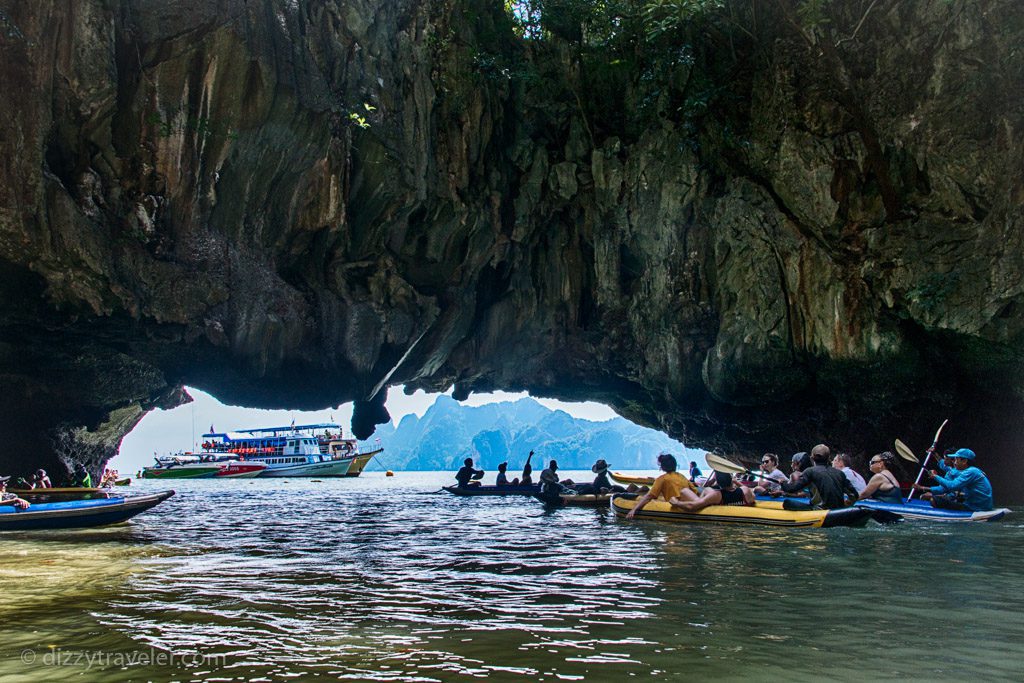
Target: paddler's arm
{"x":800,"y":484}
{"x":640,"y":503}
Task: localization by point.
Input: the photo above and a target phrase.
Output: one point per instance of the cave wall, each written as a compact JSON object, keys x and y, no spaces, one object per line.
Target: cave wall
{"x":765,"y":233}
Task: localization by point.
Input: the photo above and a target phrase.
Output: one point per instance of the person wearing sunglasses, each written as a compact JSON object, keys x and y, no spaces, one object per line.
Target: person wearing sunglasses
{"x":771,"y":475}
{"x":970,"y":490}
{"x":883,"y":485}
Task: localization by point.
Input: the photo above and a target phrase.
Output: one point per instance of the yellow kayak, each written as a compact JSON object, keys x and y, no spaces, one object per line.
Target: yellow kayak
{"x":629,"y":479}
{"x":770,"y":514}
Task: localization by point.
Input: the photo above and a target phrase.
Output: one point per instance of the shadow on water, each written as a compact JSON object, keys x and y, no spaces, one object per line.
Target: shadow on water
{"x":372,"y":579}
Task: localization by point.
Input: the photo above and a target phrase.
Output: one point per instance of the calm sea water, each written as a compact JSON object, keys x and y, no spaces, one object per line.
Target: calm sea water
{"x":381,"y":579}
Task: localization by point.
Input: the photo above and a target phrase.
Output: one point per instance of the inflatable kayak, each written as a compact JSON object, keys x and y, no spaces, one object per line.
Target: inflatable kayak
{"x":73,"y":514}
{"x":769,"y":515}
{"x":493,"y":490}
{"x":572,"y":499}
{"x":923,"y":510}
{"x":630,"y":479}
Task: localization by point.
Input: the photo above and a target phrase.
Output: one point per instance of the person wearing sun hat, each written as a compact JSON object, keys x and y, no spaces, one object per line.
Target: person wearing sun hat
{"x":968,"y":490}
{"x":10,"y":498}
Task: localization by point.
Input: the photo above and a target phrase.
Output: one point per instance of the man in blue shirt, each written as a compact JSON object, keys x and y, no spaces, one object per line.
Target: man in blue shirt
{"x":968,"y":490}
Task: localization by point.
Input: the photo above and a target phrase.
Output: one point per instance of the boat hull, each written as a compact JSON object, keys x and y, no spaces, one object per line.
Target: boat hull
{"x":361,"y":461}
{"x":331,"y":468}
{"x":202,"y":471}
{"x":743,"y":514}
{"x":564,"y":500}
{"x":923,"y":511}
{"x":78,"y":514}
{"x":531,"y":490}
{"x":241,"y":471}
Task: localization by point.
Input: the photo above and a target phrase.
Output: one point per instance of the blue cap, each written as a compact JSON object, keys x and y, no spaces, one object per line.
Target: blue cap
{"x":965,"y":453}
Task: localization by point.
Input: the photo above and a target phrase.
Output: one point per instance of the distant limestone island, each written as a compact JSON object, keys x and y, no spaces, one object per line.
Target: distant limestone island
{"x":449,"y":432}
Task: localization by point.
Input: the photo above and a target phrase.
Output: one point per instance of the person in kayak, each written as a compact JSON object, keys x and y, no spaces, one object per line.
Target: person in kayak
{"x":725,"y":491}
{"x":883,"y":484}
{"x":771,"y":475}
{"x":969,"y":490}
{"x":10,"y":498}
{"x":502,"y":479}
{"x":549,"y":480}
{"x":527,"y":479}
{"x":944,"y":465}
{"x":843,"y":463}
{"x":40,"y":480}
{"x":694,"y":471}
{"x":468,"y":475}
{"x":82,"y":478}
{"x":830,"y":489}
{"x":665,"y":487}
{"x":601,"y":483}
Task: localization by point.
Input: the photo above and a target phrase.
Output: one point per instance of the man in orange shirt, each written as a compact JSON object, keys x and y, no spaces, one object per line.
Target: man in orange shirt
{"x":667,"y":486}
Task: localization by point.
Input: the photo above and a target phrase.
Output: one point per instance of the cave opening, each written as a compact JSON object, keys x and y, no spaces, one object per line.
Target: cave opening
{"x":429,"y":432}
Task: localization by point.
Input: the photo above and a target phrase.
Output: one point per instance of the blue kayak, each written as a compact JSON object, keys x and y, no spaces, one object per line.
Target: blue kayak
{"x":923,"y":510}
{"x":76,"y":514}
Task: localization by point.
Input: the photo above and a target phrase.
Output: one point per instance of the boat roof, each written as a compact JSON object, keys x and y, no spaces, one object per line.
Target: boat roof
{"x":274,"y":431}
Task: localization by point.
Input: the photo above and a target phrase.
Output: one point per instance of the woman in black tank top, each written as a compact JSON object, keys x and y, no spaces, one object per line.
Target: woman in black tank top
{"x":883,"y":485}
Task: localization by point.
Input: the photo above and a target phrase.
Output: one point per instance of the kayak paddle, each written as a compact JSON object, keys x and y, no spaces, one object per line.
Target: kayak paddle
{"x":927,"y":456}
{"x":721,"y":464}
{"x":904,"y":452}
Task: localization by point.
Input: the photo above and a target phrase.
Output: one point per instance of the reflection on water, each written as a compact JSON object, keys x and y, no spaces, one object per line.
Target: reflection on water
{"x":383,"y":579}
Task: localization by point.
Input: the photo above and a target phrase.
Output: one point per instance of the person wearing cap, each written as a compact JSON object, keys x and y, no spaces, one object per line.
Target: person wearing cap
{"x":969,"y":490}
{"x":725,"y":491}
{"x":549,"y":479}
{"x":502,"y":479}
{"x":10,"y":498}
{"x":830,"y":489}
{"x":666,"y":487}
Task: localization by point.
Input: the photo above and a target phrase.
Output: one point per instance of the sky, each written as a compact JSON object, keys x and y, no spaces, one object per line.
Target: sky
{"x":180,"y":429}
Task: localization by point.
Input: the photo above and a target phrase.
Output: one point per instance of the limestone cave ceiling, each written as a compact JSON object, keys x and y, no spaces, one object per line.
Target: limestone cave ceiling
{"x":752,"y":227}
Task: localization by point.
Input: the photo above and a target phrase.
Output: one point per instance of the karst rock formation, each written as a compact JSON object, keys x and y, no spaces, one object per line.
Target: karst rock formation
{"x":757,"y":225}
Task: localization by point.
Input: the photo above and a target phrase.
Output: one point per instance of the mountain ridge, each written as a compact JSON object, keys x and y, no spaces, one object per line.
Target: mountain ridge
{"x":448,"y":432}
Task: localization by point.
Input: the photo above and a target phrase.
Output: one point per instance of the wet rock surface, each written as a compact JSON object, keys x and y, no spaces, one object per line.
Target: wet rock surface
{"x":299,"y":204}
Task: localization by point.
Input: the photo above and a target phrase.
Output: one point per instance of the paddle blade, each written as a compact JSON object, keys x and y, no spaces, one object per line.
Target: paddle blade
{"x":939,"y":432}
{"x":720,"y":464}
{"x":904,"y":452}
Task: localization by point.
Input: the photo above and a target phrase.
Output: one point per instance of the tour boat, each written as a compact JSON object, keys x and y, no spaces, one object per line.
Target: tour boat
{"x":182,"y":466}
{"x":293,"y":451}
